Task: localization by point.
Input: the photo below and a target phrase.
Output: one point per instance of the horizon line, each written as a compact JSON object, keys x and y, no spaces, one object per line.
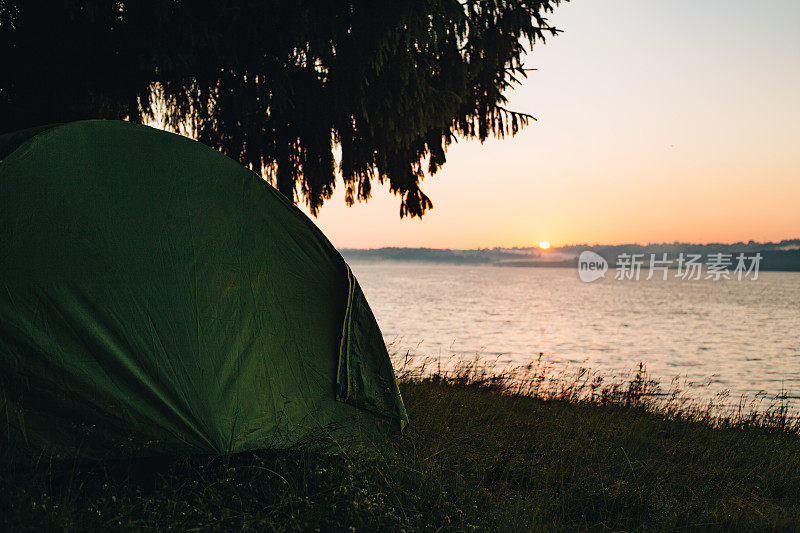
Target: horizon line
{"x":572,"y":245}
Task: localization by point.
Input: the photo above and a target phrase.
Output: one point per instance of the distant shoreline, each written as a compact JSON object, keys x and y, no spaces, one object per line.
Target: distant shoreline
{"x":778,"y":257}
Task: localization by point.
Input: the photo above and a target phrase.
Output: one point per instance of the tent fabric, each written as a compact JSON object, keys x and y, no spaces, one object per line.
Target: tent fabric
{"x":158,"y":297}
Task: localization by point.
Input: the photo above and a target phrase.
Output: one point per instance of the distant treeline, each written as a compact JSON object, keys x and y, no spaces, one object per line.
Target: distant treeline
{"x":784,"y":255}
{"x":434,"y":255}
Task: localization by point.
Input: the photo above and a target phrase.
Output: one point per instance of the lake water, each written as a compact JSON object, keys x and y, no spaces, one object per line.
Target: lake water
{"x":740,"y":336}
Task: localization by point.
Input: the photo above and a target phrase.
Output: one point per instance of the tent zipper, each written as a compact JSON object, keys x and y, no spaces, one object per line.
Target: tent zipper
{"x":343,"y":370}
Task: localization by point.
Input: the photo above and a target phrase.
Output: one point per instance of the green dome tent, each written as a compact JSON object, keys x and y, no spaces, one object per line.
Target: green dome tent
{"x":157,"y":297}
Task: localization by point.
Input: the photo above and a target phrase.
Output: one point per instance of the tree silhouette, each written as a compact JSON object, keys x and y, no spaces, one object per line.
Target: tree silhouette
{"x":280,"y":86}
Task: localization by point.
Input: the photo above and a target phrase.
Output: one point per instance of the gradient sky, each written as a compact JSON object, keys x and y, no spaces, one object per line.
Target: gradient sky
{"x":658,"y":121}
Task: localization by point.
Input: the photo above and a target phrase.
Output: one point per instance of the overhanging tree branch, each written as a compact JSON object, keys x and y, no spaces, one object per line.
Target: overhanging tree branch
{"x":279,"y":86}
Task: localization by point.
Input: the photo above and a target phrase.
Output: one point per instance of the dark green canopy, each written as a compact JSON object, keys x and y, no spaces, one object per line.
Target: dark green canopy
{"x":157,"y":297}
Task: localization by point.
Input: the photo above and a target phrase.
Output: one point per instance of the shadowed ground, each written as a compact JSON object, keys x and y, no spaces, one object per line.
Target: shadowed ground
{"x":474,"y":455}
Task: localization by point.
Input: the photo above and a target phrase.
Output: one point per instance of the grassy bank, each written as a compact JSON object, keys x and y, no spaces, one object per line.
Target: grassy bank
{"x":480,"y":452}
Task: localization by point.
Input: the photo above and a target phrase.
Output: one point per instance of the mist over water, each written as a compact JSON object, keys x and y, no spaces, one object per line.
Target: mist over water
{"x":740,"y":336}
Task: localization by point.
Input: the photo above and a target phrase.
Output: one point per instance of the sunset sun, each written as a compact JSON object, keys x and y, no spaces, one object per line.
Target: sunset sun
{"x":544,"y":245}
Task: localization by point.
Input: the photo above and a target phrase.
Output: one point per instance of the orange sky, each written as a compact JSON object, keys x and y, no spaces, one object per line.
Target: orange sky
{"x":658,"y":121}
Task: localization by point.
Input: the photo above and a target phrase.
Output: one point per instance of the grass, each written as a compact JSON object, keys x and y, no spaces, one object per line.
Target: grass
{"x":509,"y":451}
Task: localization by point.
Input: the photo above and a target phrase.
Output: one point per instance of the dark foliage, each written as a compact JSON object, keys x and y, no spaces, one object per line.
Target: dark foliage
{"x":279,"y":85}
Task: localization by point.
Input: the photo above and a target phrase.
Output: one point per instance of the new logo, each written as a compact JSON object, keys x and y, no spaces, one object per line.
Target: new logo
{"x":591,"y":266}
